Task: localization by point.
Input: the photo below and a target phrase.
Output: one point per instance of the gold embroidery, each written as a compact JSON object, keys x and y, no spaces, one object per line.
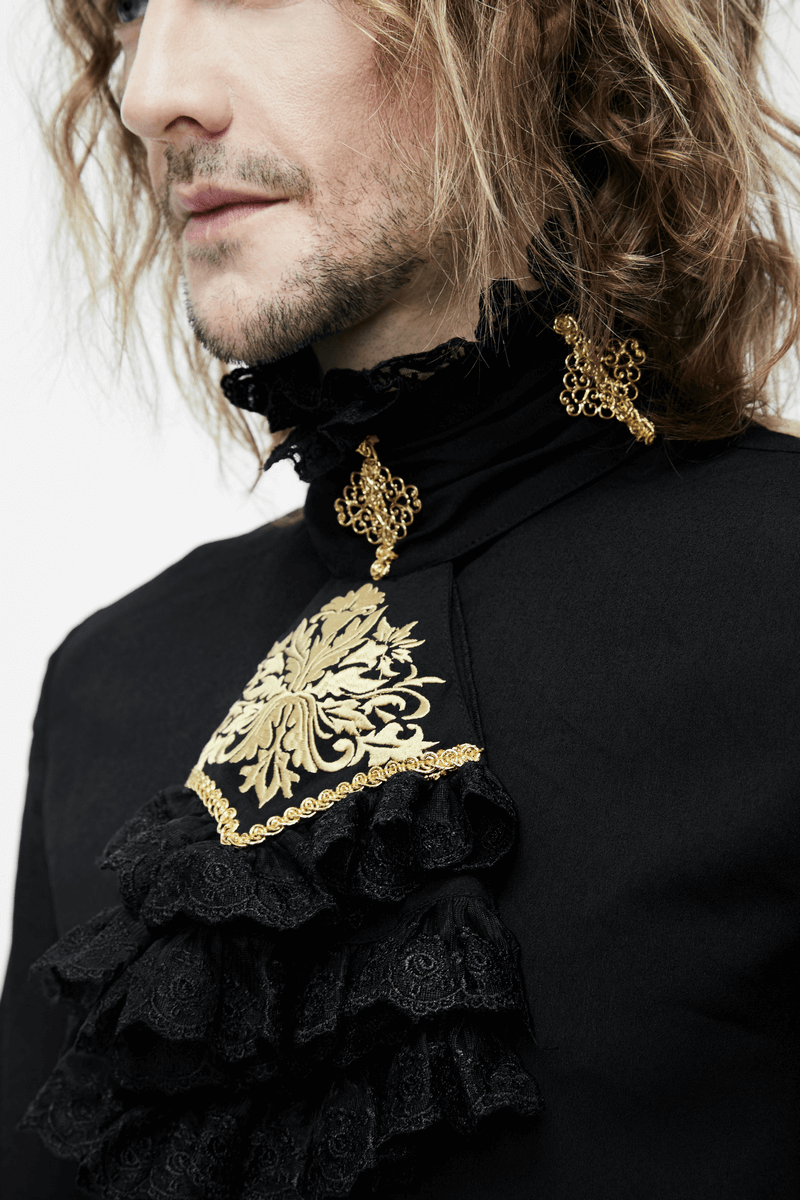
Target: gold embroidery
{"x":606,"y":386}
{"x":343,"y":680}
{"x":433,"y":764}
{"x":378,"y":505}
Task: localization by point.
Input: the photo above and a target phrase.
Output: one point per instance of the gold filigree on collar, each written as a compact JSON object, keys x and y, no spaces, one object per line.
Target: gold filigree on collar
{"x":378,"y":505}
{"x":605,"y":385}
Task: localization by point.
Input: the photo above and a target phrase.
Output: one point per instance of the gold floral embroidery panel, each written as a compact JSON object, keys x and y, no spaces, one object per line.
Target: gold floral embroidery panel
{"x":340,"y":691}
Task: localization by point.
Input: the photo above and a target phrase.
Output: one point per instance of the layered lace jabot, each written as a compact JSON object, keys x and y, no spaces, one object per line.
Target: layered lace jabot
{"x":289,"y":995}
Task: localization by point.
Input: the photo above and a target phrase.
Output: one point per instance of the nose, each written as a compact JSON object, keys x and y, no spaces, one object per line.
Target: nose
{"x":175,"y":86}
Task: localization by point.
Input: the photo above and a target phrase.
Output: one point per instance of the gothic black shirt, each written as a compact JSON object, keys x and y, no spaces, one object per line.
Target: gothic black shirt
{"x":562,"y":962}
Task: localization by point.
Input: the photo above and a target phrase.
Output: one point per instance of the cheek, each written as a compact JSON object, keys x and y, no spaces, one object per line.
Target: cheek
{"x":310,"y":85}
{"x":156,"y":167}
{"x":414,"y":119}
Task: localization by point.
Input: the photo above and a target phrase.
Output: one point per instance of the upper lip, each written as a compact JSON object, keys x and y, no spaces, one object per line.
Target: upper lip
{"x":197,"y":200}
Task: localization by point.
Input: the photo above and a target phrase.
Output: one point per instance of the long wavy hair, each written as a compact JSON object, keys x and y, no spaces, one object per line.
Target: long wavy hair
{"x":627,"y":144}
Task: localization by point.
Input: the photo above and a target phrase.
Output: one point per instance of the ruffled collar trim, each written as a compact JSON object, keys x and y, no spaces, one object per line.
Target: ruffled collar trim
{"x":329,"y":415}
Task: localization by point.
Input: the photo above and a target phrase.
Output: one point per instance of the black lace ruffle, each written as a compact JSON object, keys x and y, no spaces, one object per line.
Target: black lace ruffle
{"x":329,"y":415}
{"x":279,"y":1020}
{"x":237,"y":1145}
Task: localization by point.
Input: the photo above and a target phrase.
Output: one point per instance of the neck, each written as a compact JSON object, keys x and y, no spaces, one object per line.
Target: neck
{"x":423,"y":314}
{"x":329,"y":409}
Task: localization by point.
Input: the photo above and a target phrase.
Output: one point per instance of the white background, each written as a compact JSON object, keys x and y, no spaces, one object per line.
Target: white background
{"x":98,"y":493}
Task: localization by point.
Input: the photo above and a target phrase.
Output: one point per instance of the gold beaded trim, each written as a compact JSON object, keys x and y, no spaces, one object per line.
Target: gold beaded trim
{"x":433,"y":765}
{"x":603,"y":386}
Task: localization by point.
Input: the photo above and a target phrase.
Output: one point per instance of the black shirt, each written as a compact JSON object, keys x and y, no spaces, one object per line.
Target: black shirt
{"x":616,"y":628}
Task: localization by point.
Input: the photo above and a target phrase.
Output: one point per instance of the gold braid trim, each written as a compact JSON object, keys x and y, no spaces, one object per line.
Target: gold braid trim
{"x":433,"y":764}
{"x":603,"y":386}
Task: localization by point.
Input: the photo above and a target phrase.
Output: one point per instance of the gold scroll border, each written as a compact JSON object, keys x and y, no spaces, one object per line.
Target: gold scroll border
{"x":433,"y":764}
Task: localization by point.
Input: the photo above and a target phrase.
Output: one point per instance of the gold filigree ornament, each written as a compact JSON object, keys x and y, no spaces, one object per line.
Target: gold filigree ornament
{"x":606,"y":385}
{"x":341,"y":690}
{"x":378,"y":505}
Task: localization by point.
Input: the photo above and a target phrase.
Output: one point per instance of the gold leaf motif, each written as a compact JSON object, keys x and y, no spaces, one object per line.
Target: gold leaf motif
{"x":378,"y":505}
{"x":604,"y":386}
{"x":342,"y":688}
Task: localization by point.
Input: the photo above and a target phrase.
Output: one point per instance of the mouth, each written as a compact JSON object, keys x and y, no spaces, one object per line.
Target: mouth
{"x":211,"y":210}
{"x":201,"y":227}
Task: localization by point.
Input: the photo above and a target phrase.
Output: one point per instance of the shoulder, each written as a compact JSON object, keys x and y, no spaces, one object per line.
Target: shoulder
{"x":787,"y":429}
{"x":187,"y":598}
{"x":740,"y":479}
{"x":731,"y":501}
{"x":751,"y":481}
{"x":698,"y":522}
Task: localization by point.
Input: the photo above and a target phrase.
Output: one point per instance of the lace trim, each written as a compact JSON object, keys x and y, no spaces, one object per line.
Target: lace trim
{"x":222,"y":1145}
{"x":328,"y":417}
{"x":433,"y":765}
{"x":270,"y":1023}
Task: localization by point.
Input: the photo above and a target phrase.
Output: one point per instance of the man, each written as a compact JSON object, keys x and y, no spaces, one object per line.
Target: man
{"x":484,"y":879}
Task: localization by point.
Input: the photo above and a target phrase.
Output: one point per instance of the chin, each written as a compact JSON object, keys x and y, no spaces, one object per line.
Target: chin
{"x":275,"y":308}
{"x":239,"y":329}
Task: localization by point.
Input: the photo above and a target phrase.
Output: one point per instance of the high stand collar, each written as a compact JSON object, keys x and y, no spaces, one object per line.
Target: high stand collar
{"x":477,"y":427}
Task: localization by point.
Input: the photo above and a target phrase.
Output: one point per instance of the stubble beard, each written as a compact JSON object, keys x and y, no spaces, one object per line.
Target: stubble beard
{"x":345,"y":282}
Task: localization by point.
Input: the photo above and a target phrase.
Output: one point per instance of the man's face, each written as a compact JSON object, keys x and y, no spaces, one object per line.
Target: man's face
{"x":293,"y":219}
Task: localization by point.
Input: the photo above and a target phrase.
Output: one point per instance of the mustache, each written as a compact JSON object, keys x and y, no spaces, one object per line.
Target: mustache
{"x":201,"y":160}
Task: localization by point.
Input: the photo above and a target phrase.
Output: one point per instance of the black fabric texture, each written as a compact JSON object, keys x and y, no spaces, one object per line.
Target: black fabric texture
{"x":609,"y":902}
{"x":31,"y":1031}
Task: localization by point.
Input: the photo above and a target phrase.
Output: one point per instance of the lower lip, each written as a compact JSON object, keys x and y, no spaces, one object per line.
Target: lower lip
{"x":201,"y":227}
